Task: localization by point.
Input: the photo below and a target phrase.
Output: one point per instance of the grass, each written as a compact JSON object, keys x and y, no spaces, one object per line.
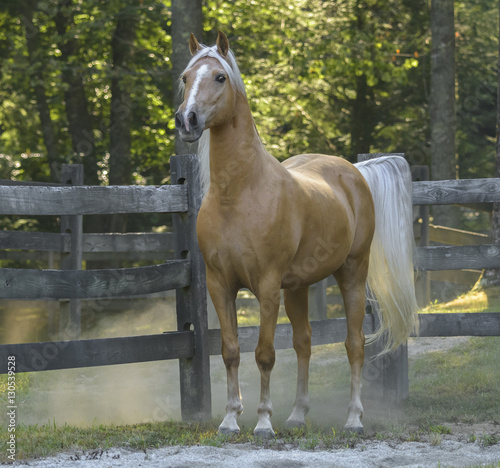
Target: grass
{"x":477,"y":300}
{"x":50,"y":439}
{"x":492,"y":465}
{"x":463,"y":384}
{"x":464,"y":380}
{"x":41,"y":441}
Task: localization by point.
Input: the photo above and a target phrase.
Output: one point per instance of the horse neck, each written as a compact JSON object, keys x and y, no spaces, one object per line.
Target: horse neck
{"x":238,"y":158}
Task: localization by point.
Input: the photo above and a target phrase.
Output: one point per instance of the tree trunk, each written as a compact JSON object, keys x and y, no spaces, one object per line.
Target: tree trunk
{"x":491,"y":277}
{"x":187,"y":18}
{"x":32,"y":34}
{"x":120,"y":166}
{"x":442,"y":102}
{"x":362,"y":122}
{"x":79,"y":122}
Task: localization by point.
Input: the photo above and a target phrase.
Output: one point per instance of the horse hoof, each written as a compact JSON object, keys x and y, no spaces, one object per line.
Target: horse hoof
{"x":354,"y":430}
{"x":295,"y":424}
{"x":264,"y":434}
{"x":228,"y":432}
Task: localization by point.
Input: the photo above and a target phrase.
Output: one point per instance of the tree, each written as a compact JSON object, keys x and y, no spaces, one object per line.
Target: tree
{"x":331,"y":77}
{"x":21,"y":140}
{"x":362,"y":110}
{"x":476,"y":78}
{"x":32,"y":35}
{"x":187,"y":18}
{"x":491,"y":277}
{"x":122,"y":46}
{"x":442,"y":101}
{"x":79,"y":119}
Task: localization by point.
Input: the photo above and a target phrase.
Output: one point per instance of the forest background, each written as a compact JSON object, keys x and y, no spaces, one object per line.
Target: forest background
{"x":95,"y":82}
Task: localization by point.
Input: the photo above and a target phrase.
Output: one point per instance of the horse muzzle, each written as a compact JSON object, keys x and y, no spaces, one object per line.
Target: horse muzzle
{"x":190,"y":125}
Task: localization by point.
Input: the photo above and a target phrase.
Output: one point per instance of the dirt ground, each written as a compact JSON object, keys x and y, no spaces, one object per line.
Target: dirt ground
{"x":453,"y":449}
{"x":463,"y":447}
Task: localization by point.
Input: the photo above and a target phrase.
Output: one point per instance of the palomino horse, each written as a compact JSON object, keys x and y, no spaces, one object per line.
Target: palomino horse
{"x":268,"y":226}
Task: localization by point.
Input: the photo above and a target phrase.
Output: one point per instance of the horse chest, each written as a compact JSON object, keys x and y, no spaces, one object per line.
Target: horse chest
{"x":235,"y":244}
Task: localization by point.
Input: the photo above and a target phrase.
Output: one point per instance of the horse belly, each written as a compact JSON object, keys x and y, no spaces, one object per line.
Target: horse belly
{"x":320,"y":256}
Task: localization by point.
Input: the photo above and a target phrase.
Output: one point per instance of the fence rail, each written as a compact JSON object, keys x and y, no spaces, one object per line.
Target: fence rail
{"x":18,"y":283}
{"x":465,"y":257}
{"x":91,"y":243}
{"x":185,"y":274}
{"x":472,"y":324}
{"x":87,"y":200}
{"x":56,"y":355}
{"x":449,"y":192}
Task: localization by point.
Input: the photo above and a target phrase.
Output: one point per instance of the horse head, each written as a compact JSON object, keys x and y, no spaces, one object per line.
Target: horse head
{"x":209,"y":81}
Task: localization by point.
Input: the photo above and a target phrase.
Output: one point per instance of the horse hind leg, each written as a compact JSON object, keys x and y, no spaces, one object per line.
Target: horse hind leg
{"x":352,"y":282}
{"x":297,"y":310}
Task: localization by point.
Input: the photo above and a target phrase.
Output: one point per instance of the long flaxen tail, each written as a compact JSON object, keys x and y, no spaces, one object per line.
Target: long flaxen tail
{"x":391,"y":271}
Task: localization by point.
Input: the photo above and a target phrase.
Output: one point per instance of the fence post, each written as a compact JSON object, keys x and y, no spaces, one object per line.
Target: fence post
{"x":387,"y":374}
{"x":423,"y":284}
{"x":196,"y":397}
{"x":317,"y":300}
{"x":70,"y":318}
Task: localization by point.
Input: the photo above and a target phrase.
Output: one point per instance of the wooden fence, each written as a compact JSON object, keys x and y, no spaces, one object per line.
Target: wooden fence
{"x":194,"y":342}
{"x":185,"y":273}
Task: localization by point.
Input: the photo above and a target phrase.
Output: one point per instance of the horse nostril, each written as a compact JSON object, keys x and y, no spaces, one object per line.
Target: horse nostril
{"x":178,"y":121}
{"x":193,"y":119}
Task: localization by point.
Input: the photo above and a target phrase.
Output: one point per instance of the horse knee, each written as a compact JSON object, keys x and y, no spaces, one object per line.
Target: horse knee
{"x":355,"y":346}
{"x":302,"y":345}
{"x":265,"y":358}
{"x":231,"y":354}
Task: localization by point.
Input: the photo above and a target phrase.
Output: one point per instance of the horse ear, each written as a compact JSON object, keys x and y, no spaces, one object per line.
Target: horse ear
{"x":222,"y":44}
{"x":194,"y":45}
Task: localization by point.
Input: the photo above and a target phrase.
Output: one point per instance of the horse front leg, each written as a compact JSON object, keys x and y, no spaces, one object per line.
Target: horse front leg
{"x":297,"y":310}
{"x":265,"y":357}
{"x":224,"y":302}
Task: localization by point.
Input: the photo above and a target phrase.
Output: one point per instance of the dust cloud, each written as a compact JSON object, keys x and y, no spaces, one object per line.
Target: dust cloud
{"x":147,"y":392}
{"x":124,"y":394}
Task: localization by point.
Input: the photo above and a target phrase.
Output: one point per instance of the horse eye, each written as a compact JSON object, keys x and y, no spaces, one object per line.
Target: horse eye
{"x":220,"y":78}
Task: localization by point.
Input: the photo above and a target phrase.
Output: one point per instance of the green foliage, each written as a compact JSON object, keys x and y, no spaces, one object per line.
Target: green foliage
{"x":148,"y":77}
{"x":439,"y":429}
{"x":309,"y":65}
{"x":331,"y":77}
{"x":476,"y":30}
{"x":487,"y":440}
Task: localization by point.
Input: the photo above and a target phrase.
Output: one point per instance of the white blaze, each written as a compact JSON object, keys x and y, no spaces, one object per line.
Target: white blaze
{"x":202,"y":71}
